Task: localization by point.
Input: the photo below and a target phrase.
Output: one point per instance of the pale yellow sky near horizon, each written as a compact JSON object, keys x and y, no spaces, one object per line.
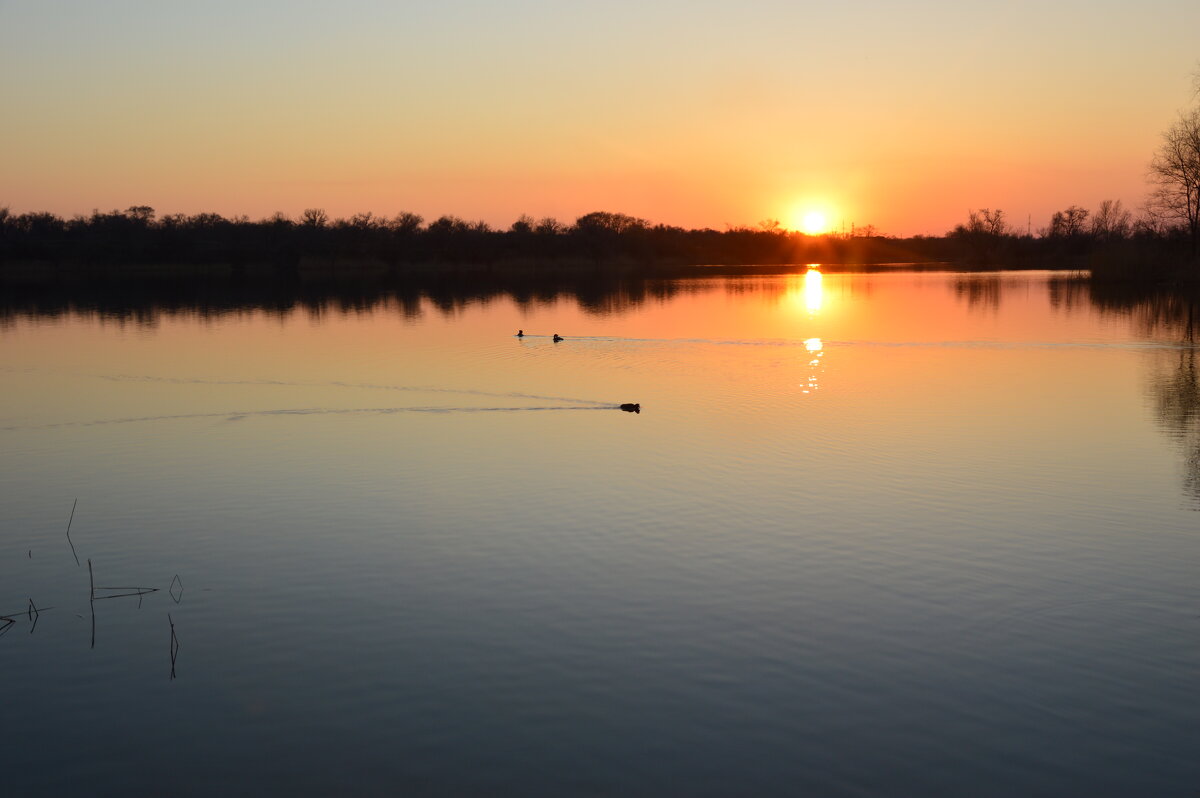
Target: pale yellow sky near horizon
{"x":699,"y":114}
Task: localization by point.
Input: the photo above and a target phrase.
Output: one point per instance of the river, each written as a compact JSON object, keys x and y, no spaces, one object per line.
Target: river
{"x":870,"y":534}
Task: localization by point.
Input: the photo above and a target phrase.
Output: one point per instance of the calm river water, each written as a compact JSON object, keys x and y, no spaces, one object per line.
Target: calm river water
{"x":897,"y":534}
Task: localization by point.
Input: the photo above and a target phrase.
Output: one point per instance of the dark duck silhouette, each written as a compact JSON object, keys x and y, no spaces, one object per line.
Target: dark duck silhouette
{"x":520,"y":333}
{"x":631,"y":407}
{"x":557,"y":338}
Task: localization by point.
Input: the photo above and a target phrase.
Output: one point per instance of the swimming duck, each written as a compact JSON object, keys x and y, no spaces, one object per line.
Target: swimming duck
{"x":520,"y":333}
{"x":557,"y":338}
{"x":631,"y":407}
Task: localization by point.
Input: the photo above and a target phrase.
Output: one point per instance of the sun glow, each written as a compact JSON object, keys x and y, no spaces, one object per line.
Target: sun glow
{"x":811,"y":221}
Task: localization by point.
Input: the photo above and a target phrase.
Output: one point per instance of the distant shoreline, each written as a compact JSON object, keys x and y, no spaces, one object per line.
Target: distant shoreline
{"x":134,"y":244}
{"x":351,"y":269}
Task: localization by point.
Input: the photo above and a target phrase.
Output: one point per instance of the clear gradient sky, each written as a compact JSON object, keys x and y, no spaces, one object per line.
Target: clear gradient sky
{"x":697,"y":113}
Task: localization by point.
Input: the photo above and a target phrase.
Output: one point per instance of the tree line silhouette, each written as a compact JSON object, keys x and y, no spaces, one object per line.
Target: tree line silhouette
{"x":1074,"y":238}
{"x":1111,"y":242}
{"x":136,"y":235}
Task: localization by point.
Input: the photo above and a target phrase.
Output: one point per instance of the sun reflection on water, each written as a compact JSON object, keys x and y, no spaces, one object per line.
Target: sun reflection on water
{"x":806,"y":291}
{"x":813,"y":294}
{"x":816,"y":348}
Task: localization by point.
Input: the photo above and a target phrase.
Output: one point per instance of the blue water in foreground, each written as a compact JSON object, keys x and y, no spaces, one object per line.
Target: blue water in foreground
{"x":870,"y":535}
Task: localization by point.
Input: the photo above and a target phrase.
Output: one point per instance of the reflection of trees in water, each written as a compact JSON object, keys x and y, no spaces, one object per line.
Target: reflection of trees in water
{"x":987,"y":291}
{"x":127,"y":294}
{"x":1174,"y":388}
{"x":145,"y":301}
{"x":1165,"y":316}
{"x":1173,"y":385}
{"x":126,"y":297}
{"x":979,"y":291}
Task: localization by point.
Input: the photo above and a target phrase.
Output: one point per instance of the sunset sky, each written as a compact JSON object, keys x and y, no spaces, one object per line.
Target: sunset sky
{"x":700,"y":114}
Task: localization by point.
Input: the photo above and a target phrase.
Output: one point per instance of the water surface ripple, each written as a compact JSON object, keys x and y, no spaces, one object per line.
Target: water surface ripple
{"x":870,"y":535}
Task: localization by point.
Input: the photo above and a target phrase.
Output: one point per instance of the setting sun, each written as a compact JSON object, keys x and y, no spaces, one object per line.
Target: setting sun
{"x":811,"y":221}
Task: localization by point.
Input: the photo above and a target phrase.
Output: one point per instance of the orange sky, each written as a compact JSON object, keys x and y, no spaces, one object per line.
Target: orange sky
{"x":697,"y":114}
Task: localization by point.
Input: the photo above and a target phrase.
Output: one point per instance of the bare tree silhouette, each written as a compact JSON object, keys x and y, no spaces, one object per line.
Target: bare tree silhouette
{"x":1175,"y":176}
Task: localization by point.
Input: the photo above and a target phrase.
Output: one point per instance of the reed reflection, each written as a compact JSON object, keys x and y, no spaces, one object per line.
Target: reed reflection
{"x":32,"y":613}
